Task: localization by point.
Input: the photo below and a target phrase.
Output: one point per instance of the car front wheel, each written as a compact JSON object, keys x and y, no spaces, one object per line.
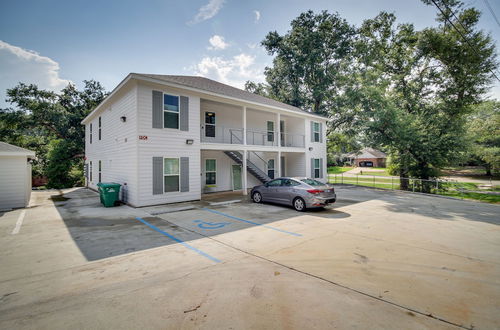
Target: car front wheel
{"x":257,"y":197}
{"x":299,"y":204}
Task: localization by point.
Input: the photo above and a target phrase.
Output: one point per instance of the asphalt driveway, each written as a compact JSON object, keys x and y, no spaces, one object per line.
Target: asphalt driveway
{"x":377,"y":259}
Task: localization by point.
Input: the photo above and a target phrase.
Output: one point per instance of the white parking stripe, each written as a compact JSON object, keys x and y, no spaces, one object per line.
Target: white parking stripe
{"x":19,"y":223}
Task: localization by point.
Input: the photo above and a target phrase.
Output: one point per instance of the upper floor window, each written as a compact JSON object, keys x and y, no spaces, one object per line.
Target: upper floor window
{"x":90,"y":136}
{"x":317,"y":132}
{"x":270,"y":131}
{"x":170,"y":111}
{"x":100,"y":125}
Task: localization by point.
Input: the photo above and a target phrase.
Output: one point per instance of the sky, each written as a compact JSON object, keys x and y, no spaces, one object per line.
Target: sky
{"x":52,"y":42}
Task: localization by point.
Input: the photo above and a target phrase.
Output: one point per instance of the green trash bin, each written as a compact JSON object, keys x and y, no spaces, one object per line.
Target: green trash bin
{"x":109,"y":193}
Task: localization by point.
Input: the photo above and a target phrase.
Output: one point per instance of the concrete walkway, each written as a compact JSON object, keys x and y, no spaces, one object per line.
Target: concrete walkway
{"x":377,"y":259}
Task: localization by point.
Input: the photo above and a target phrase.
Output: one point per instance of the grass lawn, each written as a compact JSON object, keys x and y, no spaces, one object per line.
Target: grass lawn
{"x":338,"y":169}
{"x":474,"y":196}
{"x":370,"y":173}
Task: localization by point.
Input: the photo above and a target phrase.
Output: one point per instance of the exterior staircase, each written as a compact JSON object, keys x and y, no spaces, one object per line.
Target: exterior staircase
{"x":251,"y":167}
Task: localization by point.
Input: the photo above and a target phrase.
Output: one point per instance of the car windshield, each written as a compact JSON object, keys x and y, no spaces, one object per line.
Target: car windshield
{"x":312,"y":182}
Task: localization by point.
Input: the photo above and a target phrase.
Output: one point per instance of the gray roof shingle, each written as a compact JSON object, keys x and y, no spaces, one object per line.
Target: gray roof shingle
{"x":213,"y":86}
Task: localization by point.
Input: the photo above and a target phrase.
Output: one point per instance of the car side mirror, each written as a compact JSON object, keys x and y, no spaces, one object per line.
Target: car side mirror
{"x":266,"y":184}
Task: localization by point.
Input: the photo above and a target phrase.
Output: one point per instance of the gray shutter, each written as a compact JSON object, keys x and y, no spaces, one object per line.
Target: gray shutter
{"x":157,"y":175}
{"x":321,"y":167}
{"x":312,"y":168}
{"x":184,"y":113}
{"x":184,"y":174}
{"x":157,"y":109}
{"x":321,"y":132}
{"x":312,"y":131}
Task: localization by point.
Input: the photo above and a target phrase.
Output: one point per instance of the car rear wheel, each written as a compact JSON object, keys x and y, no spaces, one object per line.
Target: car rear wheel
{"x":299,"y":204}
{"x":257,"y":197}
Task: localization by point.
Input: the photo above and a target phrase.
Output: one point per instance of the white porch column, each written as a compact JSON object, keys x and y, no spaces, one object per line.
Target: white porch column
{"x":244,"y":125}
{"x":278,"y":120}
{"x":244,"y":172}
{"x":279,"y":165}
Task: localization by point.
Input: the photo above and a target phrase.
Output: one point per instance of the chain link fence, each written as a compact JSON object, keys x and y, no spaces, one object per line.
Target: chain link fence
{"x":440,"y":187}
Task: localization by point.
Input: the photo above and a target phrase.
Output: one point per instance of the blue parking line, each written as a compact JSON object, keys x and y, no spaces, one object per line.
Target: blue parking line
{"x":178,"y":240}
{"x":251,"y":222}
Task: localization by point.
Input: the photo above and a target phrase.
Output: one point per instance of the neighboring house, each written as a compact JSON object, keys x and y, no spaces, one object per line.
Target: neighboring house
{"x":171,"y":138}
{"x":15,"y":176}
{"x":368,"y":157}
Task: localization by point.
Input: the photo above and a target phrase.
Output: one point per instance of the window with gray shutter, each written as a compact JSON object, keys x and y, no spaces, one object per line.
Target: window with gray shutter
{"x":184,"y":113}
{"x":157,"y":175}
{"x":321,"y":167}
{"x":321,"y":132}
{"x":157,"y":109}
{"x":312,"y":167}
{"x":184,"y":174}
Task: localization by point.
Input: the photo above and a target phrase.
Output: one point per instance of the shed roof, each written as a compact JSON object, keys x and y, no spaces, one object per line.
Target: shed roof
{"x":7,"y":149}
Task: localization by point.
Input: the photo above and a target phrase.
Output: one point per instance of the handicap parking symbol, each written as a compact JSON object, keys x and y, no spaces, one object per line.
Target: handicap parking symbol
{"x":211,"y":225}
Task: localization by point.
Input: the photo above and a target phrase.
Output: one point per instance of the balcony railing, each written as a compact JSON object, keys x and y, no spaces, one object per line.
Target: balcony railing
{"x":220,"y":134}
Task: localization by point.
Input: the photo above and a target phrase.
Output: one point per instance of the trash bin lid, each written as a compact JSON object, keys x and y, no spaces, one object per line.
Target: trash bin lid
{"x":108,"y":185}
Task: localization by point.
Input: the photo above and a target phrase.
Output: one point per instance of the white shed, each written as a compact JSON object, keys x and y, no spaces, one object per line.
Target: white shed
{"x":15,"y":176}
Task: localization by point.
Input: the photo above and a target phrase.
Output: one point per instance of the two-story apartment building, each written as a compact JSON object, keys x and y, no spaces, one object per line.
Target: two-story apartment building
{"x":171,"y":138}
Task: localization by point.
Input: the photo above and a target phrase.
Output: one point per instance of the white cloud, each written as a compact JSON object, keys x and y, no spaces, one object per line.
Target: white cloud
{"x":207,"y":11}
{"x":27,"y":66}
{"x":217,"y":42}
{"x":257,"y":15}
{"x":234,"y":71}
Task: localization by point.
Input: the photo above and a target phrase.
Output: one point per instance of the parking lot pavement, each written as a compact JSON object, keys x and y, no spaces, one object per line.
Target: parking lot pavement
{"x":376,"y":259}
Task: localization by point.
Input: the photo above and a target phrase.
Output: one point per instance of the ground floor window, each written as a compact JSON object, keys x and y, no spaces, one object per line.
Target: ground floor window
{"x":100,"y":169}
{"x":171,"y":174}
{"x":270,"y":168}
{"x":210,"y":171}
{"x":317,"y":168}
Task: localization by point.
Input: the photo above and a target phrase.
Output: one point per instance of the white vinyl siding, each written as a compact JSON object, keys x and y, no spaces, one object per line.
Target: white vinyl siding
{"x":15,"y":182}
{"x":167,"y":143}
{"x":117,"y":150}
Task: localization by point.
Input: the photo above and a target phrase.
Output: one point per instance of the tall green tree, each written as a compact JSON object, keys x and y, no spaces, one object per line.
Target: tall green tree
{"x":309,"y":61}
{"x":483,"y":127}
{"x":49,"y":123}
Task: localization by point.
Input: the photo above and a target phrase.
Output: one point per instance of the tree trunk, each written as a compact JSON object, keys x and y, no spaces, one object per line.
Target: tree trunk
{"x":487,"y":167}
{"x":403,"y":180}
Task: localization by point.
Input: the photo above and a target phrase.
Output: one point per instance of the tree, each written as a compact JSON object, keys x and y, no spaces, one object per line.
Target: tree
{"x":427,"y":82}
{"x":483,"y":128}
{"x":50,"y":123}
{"x":309,"y":61}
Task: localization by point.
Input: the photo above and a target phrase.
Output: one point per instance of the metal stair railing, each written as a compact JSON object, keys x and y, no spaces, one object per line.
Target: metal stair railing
{"x":251,"y":167}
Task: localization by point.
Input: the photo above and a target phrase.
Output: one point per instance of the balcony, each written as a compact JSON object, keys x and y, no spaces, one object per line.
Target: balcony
{"x":231,"y":135}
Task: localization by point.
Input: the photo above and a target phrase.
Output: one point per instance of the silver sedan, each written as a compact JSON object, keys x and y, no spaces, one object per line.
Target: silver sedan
{"x":301,"y":193}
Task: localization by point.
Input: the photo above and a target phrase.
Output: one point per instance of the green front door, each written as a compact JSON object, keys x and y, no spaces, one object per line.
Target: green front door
{"x":236,"y":177}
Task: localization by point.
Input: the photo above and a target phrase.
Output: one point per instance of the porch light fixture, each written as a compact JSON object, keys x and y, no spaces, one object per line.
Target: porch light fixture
{"x":310,"y":148}
{"x":189,"y":141}
{"x":123,"y":118}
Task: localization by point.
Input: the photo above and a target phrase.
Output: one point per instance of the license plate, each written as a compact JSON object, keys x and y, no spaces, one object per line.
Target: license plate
{"x":328,"y":190}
